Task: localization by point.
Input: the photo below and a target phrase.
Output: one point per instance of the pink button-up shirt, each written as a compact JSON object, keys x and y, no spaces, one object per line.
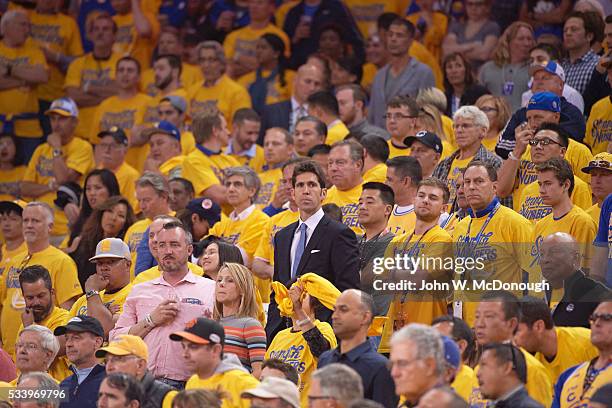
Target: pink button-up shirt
{"x":195,"y":296}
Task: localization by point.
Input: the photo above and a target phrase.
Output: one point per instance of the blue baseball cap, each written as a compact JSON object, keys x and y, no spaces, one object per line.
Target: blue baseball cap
{"x":551,"y":67}
{"x":166,"y":128}
{"x":545,"y":101}
{"x":452,"y":354}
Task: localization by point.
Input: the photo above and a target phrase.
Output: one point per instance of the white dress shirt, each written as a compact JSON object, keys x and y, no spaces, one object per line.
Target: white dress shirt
{"x":311,"y":224}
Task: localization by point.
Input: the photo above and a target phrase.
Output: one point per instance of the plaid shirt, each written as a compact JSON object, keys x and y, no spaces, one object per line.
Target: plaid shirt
{"x":443,"y":168}
{"x":578,"y":74}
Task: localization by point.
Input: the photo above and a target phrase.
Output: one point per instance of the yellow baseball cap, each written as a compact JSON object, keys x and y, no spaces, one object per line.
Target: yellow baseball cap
{"x":125,"y":345}
{"x":601,"y":160}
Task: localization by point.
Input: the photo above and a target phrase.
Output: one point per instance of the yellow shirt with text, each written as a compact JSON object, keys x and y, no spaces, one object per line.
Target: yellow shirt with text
{"x":60,"y":34}
{"x":98,"y":72}
{"x":416,"y":306}
{"x":78,"y":156}
{"x":348,"y":201}
{"x":226,"y":94}
{"x":291,"y":347}
{"x":126,"y":177}
{"x":401,"y":220}
{"x":10,"y":181}
{"x":365,"y":13}
{"x":256,"y":163}
{"x":242,"y":42}
{"x":79,"y":308}
{"x":532,"y":207}
{"x":205,"y":170}
{"x":128,"y":41}
{"x":63,"y":272}
{"x":574,"y":394}
{"x":190,"y":75}
{"x":599,"y":126}
{"x":276,"y":92}
{"x":455,"y":171}
{"x":270,"y":180}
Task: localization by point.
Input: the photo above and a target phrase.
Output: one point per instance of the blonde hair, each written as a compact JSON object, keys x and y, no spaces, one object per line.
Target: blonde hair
{"x":430,"y":119}
{"x":501,"y":55}
{"x":243,"y":278}
{"x":503,"y":110}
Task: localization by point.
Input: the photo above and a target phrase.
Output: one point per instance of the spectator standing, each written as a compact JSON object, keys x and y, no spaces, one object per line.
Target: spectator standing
{"x":461,"y":87}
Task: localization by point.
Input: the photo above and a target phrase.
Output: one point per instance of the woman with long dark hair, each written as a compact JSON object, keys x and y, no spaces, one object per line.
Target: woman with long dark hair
{"x":459,"y":83}
{"x":214,"y":252}
{"x":110,"y":219}
{"x":271,"y":81}
{"x":99,"y":186}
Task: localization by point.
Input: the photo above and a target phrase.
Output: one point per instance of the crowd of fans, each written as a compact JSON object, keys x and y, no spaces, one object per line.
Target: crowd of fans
{"x":207,"y":203}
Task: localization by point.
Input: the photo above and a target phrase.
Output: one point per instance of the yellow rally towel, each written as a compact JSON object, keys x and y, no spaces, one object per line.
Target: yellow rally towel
{"x":314,"y":285}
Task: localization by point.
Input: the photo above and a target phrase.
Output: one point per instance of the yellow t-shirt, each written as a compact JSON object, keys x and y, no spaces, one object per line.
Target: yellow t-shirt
{"x":539,"y":387}
{"x":465,"y":381}
{"x":377,"y":173}
{"x":455,"y":171}
{"x":532,"y":207}
{"x":402,"y":220}
{"x":291,"y":347}
{"x":348,"y":201}
{"x":574,"y":395}
{"x":77,"y":154}
{"x":8,"y":256}
{"x":98,"y":72}
{"x":449,"y":132}
{"x":226,"y":94}
{"x":59,"y":33}
{"x":10,"y":180}
{"x":129,"y":42}
{"x":232,"y":382}
{"x":395,"y":151}
{"x":256,"y":162}
{"x":576,"y":222}
{"x":502,"y":241}
{"x":126,"y":177}
{"x":242,"y":42}
{"x":336,"y":132}
{"x":265,"y":249}
{"x":79,"y":308}
{"x":490,"y":143}
{"x":246,"y":233}
{"x":269,"y":184}
{"x":58,"y":317}
{"x":365,"y":13}
{"x":190,"y":75}
{"x":435,"y":32}
{"x":415,"y":307}
{"x":125,"y":114}
{"x":63,"y":272}
{"x":275,"y":91}
{"x":154,"y":272}
{"x":594,"y":211}
{"x":573,"y":347}
{"x":599,"y":126}
{"x":22,"y":100}
{"x":172,"y":167}
{"x":204,"y":170}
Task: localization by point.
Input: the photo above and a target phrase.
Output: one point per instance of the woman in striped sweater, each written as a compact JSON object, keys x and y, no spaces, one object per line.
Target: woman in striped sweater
{"x":236,"y":309}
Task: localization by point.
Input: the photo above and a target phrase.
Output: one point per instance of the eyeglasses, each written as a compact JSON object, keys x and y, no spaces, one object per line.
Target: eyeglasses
{"x":398,"y":116}
{"x":606,"y":317}
{"x":119,"y":359}
{"x":463,"y":126}
{"x":604,"y":164}
{"x":544,"y":142}
{"x":488,"y":109}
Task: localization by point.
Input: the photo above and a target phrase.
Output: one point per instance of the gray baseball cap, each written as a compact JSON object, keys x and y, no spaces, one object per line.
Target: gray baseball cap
{"x":176,"y":101}
{"x":272,"y":387}
{"x":112,"y":248}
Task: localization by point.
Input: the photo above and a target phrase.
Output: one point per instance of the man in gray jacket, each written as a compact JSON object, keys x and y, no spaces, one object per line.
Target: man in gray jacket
{"x":403,"y":75}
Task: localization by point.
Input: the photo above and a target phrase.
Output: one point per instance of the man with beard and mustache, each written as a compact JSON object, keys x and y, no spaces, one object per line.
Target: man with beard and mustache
{"x":167,"y":74}
{"x":37,"y":291}
{"x":167,"y":304}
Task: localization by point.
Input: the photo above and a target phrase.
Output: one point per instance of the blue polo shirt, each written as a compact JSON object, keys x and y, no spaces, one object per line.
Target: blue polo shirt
{"x":371,"y":367}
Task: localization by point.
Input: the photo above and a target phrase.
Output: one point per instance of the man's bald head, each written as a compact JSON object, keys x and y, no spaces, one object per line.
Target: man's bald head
{"x":353,"y":314}
{"x":309,"y":79}
{"x":559,"y":257}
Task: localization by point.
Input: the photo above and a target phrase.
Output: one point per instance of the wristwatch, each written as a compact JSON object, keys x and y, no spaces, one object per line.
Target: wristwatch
{"x":91,"y":293}
{"x":57,"y":152}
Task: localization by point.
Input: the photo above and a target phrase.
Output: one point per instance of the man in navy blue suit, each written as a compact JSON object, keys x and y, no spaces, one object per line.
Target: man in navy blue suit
{"x":315,"y":243}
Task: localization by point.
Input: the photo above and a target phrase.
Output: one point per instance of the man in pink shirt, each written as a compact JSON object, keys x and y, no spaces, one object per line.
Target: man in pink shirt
{"x":156,"y":308}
